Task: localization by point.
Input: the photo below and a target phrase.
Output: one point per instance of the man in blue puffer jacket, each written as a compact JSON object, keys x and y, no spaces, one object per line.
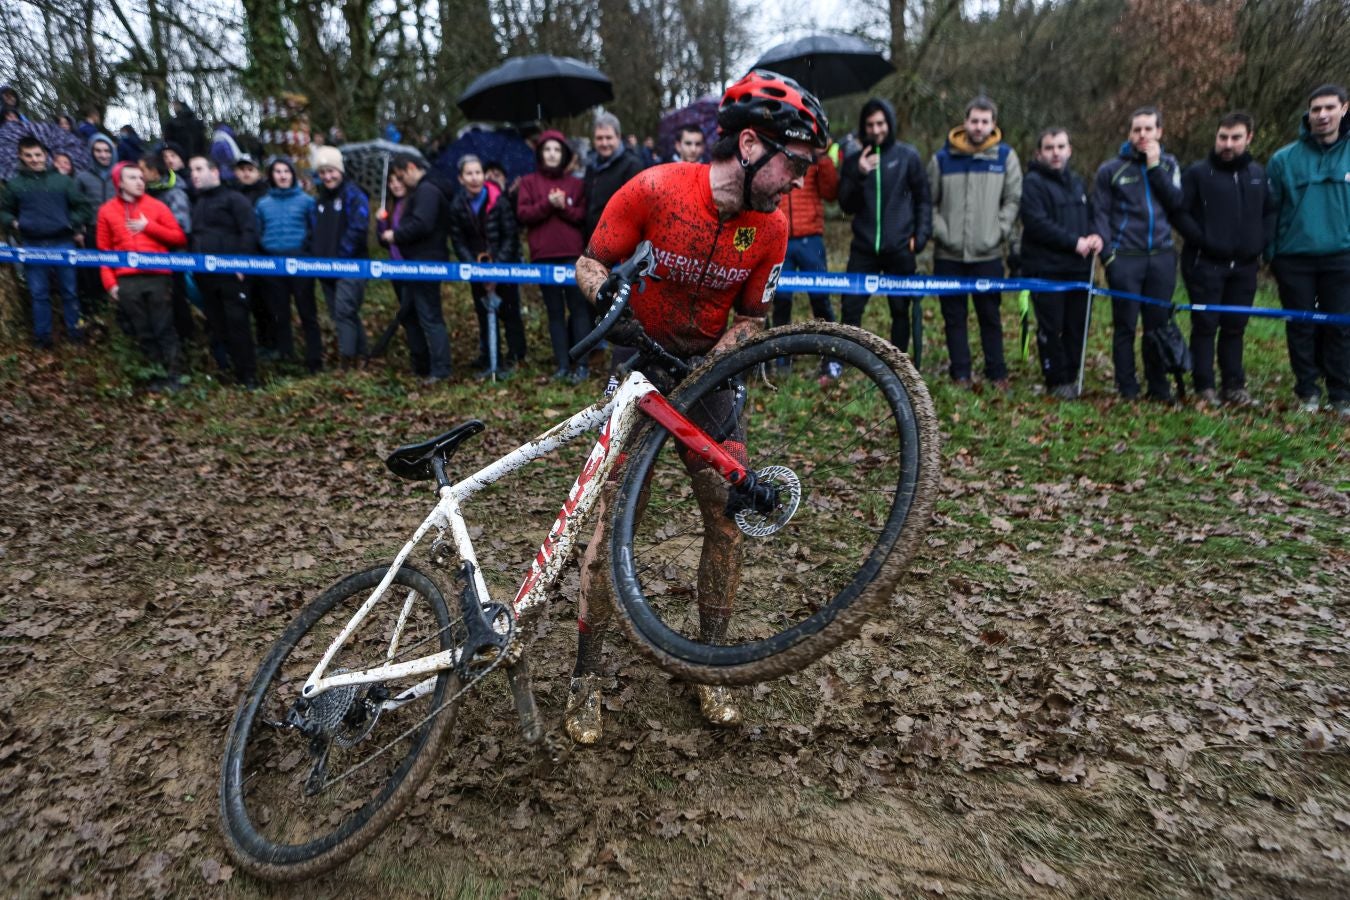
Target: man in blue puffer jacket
{"x":283,"y":228}
{"x":1134,"y":196}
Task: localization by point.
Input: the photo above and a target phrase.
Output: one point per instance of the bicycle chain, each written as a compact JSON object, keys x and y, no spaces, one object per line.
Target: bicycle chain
{"x":464,"y":689}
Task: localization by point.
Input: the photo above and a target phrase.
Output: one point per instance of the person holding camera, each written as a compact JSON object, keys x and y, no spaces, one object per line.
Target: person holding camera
{"x":884,"y":187}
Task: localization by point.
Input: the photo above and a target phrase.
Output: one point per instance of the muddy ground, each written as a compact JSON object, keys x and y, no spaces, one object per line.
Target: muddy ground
{"x":1077,"y":692}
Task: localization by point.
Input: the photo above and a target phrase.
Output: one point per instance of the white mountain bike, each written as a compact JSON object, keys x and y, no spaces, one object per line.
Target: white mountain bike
{"x":349,"y":709}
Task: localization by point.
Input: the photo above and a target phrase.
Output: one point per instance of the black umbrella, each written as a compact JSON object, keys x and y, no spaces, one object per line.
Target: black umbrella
{"x":54,"y":138}
{"x":535,"y":87}
{"x":828,"y":65}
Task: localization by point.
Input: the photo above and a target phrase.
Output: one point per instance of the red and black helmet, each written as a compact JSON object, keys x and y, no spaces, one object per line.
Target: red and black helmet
{"x":776,"y":106}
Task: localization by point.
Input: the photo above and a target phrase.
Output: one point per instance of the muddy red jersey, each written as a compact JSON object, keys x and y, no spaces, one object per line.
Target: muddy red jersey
{"x":705,"y":267}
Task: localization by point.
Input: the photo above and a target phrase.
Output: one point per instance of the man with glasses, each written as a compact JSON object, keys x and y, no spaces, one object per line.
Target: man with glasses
{"x":719,"y":241}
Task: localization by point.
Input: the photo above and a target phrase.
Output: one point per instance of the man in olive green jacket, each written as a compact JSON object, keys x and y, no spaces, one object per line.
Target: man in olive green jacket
{"x":976,"y":183}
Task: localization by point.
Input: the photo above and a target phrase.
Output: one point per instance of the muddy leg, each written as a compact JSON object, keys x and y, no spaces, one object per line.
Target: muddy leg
{"x":596,"y":606}
{"x":719,"y":566}
{"x":719,"y":576}
{"x":595,"y":612}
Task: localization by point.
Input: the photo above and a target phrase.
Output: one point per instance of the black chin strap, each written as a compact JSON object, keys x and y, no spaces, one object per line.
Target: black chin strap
{"x":751,"y":170}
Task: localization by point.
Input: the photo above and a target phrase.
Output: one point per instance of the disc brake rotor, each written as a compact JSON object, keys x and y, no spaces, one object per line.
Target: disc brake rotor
{"x":789,"y":487}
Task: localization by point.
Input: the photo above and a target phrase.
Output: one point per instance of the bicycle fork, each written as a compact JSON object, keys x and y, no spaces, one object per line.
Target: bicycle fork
{"x":748,"y":490}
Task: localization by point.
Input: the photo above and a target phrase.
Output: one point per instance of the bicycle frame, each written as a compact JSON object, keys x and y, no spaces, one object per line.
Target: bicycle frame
{"x":618,"y":414}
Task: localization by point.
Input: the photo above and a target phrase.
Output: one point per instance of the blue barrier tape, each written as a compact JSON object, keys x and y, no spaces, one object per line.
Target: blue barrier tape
{"x":528,"y":273}
{"x":1263,"y":312}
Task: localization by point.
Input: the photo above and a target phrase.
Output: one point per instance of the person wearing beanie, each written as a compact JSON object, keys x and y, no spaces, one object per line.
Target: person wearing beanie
{"x":174,"y":156}
{"x":248,"y":179}
{"x":339,"y":226}
{"x":134,"y":221}
{"x":283,"y":227}
{"x":552,"y":205}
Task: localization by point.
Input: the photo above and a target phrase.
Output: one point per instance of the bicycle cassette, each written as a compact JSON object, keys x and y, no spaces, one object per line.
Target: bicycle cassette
{"x":789,"y":488}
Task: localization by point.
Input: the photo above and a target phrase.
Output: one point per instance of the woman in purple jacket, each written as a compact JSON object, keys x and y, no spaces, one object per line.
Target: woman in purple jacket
{"x":552,"y":205}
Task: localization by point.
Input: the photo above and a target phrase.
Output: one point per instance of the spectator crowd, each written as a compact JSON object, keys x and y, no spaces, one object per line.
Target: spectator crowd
{"x":1140,"y":219}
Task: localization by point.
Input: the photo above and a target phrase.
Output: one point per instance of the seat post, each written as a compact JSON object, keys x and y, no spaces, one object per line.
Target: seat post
{"x":438,"y":469}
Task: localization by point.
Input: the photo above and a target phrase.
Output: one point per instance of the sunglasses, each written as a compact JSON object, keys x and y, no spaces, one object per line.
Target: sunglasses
{"x":797,"y":163}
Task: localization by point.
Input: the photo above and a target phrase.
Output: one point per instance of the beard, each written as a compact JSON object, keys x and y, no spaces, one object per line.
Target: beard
{"x":762,"y":200}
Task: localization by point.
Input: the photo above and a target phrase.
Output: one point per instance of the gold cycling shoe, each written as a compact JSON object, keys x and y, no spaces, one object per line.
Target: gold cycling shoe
{"x":717,"y":707}
{"x":583,"y":718}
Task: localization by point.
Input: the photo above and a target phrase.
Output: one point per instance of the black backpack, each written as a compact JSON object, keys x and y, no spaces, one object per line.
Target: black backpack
{"x":1169,"y":349}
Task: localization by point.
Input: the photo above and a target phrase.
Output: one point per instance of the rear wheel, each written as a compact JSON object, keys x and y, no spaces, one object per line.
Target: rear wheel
{"x":296,"y":801}
{"x":841,"y":423}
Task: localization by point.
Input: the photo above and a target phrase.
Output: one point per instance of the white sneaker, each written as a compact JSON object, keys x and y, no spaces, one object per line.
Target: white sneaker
{"x":1310,"y":404}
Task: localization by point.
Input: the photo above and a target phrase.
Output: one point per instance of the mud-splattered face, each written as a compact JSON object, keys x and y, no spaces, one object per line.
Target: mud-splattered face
{"x":779,"y":176}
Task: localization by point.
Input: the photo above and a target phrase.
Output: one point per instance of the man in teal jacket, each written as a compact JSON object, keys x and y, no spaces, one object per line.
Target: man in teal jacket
{"x":1310,"y":254}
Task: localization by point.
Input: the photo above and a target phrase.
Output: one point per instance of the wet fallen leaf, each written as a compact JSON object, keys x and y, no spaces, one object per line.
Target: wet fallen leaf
{"x":1041,"y":873}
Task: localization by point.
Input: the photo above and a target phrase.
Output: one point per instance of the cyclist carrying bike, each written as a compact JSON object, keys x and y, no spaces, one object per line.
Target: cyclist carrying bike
{"x":719,"y":241}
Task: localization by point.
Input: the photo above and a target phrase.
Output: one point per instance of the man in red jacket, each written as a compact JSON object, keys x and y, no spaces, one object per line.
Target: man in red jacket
{"x":131,"y":221}
{"x":805,"y":211}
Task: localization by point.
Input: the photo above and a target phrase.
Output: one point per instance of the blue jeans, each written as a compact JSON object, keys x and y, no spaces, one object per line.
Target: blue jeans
{"x":804,"y":254}
{"x":39,"y":286}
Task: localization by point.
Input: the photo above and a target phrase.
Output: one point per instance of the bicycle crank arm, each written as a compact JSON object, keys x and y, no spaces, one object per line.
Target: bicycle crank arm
{"x":483,"y":643}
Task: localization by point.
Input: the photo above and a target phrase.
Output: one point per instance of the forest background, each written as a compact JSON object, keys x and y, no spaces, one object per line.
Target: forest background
{"x":1083,"y":64}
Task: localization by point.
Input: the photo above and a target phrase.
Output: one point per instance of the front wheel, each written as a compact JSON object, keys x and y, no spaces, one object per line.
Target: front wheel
{"x":305,"y":785}
{"x":841,"y":423}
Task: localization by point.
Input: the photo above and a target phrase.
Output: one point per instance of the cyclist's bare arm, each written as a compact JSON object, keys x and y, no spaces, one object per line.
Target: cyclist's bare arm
{"x":742,"y":329}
